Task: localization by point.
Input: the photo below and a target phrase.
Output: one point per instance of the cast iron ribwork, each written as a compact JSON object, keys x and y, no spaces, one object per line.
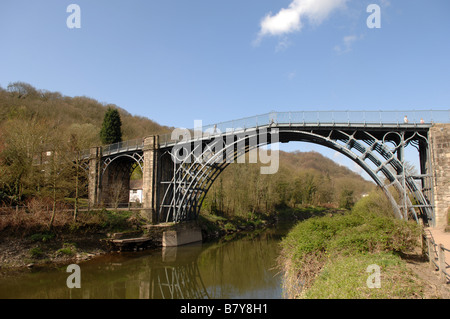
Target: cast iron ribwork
{"x":374,"y":140}
{"x":367,"y":146}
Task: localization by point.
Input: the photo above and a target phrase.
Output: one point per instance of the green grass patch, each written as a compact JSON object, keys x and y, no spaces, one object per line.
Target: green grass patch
{"x":107,"y":220}
{"x":352,"y":277}
{"x":68,"y":249}
{"x":42,"y":237}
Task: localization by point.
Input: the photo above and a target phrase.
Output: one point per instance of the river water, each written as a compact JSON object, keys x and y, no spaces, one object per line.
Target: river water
{"x":240,"y":268}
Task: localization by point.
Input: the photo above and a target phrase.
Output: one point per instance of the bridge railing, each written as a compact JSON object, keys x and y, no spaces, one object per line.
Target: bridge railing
{"x":124,"y":146}
{"x":436,"y":256}
{"x":308,"y":118}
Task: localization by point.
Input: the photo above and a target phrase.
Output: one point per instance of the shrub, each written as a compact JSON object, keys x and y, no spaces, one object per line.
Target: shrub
{"x":350,"y":232}
{"x":367,"y":229}
{"x":44,"y":237}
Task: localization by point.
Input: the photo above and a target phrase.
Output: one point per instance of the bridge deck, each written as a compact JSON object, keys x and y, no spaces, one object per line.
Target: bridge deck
{"x":369,"y":120}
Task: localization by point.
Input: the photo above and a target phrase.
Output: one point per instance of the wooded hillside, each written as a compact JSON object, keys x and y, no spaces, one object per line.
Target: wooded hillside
{"x":303,"y":179}
{"x":33,"y":121}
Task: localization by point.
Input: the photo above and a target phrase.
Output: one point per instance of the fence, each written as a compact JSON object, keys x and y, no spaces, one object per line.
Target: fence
{"x":321,"y":118}
{"x":69,"y":207}
{"x":125,"y":146}
{"x":436,"y":257}
{"x":307,"y":118}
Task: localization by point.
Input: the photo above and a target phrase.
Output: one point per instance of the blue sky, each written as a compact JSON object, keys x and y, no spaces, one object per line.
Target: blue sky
{"x":178,"y":61}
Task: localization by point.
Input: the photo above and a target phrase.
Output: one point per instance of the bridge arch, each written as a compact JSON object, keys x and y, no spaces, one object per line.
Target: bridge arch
{"x":194,"y":176}
{"x":115,"y":175}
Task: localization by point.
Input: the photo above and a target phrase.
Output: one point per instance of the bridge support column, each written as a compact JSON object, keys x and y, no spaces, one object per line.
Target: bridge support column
{"x":440,"y":157}
{"x":150,"y":178}
{"x":95,"y":156}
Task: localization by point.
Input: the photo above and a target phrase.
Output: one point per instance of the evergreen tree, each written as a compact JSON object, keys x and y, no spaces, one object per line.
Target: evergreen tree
{"x":111,"y":131}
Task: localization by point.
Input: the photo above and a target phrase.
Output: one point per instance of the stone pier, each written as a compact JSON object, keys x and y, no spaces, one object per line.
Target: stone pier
{"x":150,"y":178}
{"x":180,"y":237}
{"x":439,"y":138}
{"x":95,"y":156}
{"x":182,"y":234}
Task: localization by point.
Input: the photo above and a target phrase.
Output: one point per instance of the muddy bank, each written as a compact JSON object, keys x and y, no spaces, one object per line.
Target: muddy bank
{"x":27,"y":252}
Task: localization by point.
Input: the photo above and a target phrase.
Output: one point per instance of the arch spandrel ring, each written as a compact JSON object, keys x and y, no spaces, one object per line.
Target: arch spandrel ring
{"x":198,"y":176}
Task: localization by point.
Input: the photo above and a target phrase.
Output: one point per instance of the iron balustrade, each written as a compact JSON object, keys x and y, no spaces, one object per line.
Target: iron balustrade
{"x":436,"y":256}
{"x":320,"y":118}
{"x":125,"y":146}
{"x":306,"y":118}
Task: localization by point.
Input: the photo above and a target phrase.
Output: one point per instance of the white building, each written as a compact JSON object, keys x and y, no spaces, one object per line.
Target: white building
{"x":136,"y":191}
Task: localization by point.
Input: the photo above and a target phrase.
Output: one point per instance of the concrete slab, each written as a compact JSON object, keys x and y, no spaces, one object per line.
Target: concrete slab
{"x":180,"y":237}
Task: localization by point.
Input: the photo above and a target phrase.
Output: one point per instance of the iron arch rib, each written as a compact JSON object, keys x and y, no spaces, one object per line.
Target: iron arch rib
{"x":192,"y":179}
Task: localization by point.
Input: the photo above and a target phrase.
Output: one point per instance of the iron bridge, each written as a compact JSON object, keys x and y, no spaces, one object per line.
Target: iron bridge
{"x":189,"y":161}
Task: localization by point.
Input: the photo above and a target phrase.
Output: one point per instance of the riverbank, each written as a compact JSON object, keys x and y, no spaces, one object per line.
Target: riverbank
{"x":361,"y":254}
{"x":27,"y":242}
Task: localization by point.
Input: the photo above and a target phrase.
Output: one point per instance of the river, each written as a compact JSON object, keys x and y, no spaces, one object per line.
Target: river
{"x":240,"y":268}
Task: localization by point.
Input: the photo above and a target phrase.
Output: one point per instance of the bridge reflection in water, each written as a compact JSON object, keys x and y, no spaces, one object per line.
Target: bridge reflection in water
{"x":242,"y":268}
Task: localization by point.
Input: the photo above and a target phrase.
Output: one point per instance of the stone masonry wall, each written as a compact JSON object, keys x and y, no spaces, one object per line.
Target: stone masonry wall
{"x":439,"y":139}
{"x":149,"y":178}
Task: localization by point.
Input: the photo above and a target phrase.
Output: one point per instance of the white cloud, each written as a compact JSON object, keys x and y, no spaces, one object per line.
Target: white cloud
{"x":385,"y":3}
{"x":291,"y":19}
{"x":282,"y":45}
{"x":347,"y":43}
{"x":291,"y":75}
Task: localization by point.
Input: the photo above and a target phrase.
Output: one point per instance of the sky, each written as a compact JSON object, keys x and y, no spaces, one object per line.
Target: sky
{"x":179,"y":61}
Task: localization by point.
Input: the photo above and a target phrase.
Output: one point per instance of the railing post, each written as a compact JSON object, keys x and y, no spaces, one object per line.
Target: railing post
{"x":430,"y":253}
{"x":441,"y":257}
{"x":424,"y":245}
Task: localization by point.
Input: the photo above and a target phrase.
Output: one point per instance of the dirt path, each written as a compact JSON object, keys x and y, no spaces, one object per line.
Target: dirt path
{"x":433,"y":286}
{"x":441,"y":237}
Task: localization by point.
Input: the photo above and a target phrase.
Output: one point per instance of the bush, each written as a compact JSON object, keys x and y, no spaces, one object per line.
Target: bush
{"x":351,"y":232}
{"x":368,"y":229}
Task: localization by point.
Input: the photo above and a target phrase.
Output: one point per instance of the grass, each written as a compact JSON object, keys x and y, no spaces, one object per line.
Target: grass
{"x":68,"y":249}
{"x":334,"y":251}
{"x":36,"y":252}
{"x":352,"y":277}
{"x":42,"y":237}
